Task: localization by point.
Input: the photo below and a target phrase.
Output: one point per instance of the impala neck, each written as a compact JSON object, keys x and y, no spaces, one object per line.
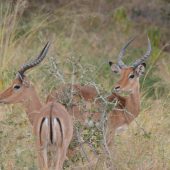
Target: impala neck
{"x":32,"y":104}
{"x":132,"y":103}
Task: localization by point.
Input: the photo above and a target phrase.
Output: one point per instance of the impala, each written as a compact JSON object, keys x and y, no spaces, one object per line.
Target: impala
{"x":128,"y":106}
{"x":52,"y":125}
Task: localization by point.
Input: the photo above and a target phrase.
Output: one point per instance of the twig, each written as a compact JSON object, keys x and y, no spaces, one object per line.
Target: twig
{"x":82,"y":148}
{"x":57,"y":73}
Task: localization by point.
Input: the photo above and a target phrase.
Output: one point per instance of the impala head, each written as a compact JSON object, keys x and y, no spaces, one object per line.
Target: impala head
{"x":129,"y":75}
{"x":21,"y":87}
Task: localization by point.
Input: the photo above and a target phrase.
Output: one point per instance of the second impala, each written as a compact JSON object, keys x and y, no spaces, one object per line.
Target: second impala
{"x":128,"y":106}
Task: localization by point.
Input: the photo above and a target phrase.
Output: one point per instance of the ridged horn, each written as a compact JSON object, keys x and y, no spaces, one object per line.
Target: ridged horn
{"x":145,"y":56}
{"x":34,"y":62}
{"x":120,"y":63}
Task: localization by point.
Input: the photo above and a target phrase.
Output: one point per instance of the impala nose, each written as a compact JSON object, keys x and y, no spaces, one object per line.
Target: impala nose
{"x":116,"y":89}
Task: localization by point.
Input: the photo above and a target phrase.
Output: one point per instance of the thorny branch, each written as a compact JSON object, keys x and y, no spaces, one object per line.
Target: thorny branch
{"x":81,"y":146}
{"x":56,"y":71}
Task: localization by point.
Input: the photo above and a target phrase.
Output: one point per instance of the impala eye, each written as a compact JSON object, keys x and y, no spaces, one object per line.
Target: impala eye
{"x":16,"y":87}
{"x":131,"y":76}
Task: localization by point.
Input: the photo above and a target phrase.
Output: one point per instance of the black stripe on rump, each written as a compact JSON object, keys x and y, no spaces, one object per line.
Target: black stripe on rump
{"x":51,"y":130}
{"x":41,"y":129}
{"x":61,"y":130}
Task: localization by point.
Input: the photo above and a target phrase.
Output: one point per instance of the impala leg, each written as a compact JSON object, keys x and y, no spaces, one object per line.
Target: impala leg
{"x":110,"y":133}
{"x":61,"y":158}
{"x":45,"y":159}
{"x":110,"y":139}
{"x":42,"y":158}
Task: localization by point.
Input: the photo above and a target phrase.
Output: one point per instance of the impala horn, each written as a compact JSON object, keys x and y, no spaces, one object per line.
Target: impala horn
{"x":34,"y":62}
{"x":145,"y":56}
{"x":120,"y":63}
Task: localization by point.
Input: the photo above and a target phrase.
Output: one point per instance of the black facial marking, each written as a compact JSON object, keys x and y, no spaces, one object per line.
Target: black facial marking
{"x":41,"y":129}
{"x":61,"y":130}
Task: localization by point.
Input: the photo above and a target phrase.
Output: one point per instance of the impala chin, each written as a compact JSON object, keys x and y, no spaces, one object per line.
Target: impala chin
{"x":126,"y":93}
{"x":116,"y":91}
{"x":123,"y":92}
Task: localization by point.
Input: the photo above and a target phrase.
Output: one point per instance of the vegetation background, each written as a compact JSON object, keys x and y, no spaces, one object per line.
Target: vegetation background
{"x":92,"y":32}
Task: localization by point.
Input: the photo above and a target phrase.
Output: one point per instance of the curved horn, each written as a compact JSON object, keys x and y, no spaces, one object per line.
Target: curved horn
{"x":120,"y":63}
{"x":145,"y":56}
{"x":35,"y":62}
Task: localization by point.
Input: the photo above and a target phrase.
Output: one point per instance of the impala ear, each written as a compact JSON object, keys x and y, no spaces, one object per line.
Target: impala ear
{"x":114,"y":67}
{"x":140,"y":69}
